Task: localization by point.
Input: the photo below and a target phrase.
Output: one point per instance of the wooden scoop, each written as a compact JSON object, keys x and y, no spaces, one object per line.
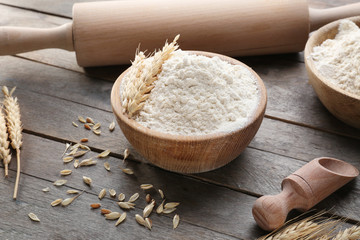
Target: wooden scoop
{"x":107,"y":33}
{"x":302,"y":190}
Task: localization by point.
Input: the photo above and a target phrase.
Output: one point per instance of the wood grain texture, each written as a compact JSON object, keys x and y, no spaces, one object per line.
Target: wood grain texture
{"x":192,"y":209}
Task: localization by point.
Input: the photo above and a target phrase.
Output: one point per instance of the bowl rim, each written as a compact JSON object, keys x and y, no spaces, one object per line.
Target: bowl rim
{"x":313,"y":42}
{"x":118,"y":110}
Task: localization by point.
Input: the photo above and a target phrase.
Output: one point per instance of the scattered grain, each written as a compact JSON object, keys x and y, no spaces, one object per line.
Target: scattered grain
{"x":87,"y":126}
{"x":107,"y":166}
{"x":97,"y":126}
{"x":84,"y":147}
{"x":160,"y":208}
{"x":56,"y":202}
{"x":68,"y":201}
{"x":104,"y":154}
{"x":68,"y":159}
{"x":126,"y":154}
{"x":87,"y":162}
{"x":168,"y":210}
{"x":47,"y":189}
{"x":176,"y":221}
{"x":148,"y":223}
{"x":161,"y":193}
{"x":65,"y":172}
{"x":87,"y":180}
{"x":73,"y":151}
{"x":126,"y":205}
{"x":146,"y":186}
{"x":33,"y":217}
{"x":105,"y":211}
{"x":95,"y":205}
{"x":72,"y":191}
{"x":76,"y":163}
{"x":112,"y":126}
{"x":60,"y":182}
{"x":97,"y":132}
{"x":102,"y":193}
{"x":90,"y":120}
{"x":74,"y":124}
{"x":112,"y":215}
{"x":171,"y":205}
{"x":134,"y":197}
{"x":79,"y":154}
{"x":121,"y":197}
{"x":148,"y":209}
{"x":112,"y":192}
{"x":139,"y":219}
{"x":121,"y":218}
{"x":84,"y":140}
{"x":81,"y":119}
{"x":127,"y":171}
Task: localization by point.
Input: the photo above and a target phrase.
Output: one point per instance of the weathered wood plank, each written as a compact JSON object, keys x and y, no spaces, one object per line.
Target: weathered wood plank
{"x":78,"y":221}
{"x":199,"y":201}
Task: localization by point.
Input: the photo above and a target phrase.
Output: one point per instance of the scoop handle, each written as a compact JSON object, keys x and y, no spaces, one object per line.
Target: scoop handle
{"x":302,"y":190}
{"x":320,"y":17}
{"x":15,"y":40}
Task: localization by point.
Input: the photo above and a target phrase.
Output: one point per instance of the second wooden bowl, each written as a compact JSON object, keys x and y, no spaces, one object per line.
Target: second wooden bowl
{"x":189,"y":154}
{"x":343,"y":105}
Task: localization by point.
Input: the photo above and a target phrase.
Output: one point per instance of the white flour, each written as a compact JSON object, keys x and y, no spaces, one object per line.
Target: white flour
{"x":339,"y":59}
{"x":197,"y":95}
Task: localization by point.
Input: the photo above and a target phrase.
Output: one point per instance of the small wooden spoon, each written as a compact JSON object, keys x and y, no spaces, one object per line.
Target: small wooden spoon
{"x":302,"y":190}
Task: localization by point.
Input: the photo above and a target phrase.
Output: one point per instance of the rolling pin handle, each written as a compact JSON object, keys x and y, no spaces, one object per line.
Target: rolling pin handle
{"x":320,"y":17}
{"x":15,"y":40}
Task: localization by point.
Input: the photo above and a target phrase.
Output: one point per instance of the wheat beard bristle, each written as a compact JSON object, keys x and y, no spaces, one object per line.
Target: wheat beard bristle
{"x":4,"y":143}
{"x":14,"y":128}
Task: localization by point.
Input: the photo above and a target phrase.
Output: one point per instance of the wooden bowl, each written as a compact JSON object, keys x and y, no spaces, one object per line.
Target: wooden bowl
{"x":189,"y":154}
{"x":343,"y":105}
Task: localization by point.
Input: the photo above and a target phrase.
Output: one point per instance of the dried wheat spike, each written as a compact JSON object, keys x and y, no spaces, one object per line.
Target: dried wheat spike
{"x":4,"y":143}
{"x":142,"y":75}
{"x":14,"y":127}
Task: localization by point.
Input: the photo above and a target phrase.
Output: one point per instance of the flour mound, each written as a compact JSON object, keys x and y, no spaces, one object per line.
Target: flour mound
{"x":197,"y":95}
{"x":338,"y":59}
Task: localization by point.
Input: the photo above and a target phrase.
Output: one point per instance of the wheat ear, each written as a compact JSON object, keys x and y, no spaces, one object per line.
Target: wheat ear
{"x":4,"y":143}
{"x":142,"y":76}
{"x":14,"y":127}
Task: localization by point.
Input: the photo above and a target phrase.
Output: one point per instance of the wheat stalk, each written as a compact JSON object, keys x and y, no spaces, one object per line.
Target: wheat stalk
{"x":4,"y":143}
{"x":142,"y":74}
{"x":14,"y":127}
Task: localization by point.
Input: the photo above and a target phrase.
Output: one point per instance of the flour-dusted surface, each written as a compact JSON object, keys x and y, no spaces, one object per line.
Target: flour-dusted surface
{"x":197,"y":95}
{"x":338,"y":59}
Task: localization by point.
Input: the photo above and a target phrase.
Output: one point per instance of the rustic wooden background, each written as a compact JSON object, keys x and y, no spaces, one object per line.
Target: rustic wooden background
{"x":53,"y":91}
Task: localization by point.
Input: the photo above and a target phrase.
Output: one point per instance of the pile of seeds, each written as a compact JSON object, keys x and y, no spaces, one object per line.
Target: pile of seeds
{"x":74,"y":153}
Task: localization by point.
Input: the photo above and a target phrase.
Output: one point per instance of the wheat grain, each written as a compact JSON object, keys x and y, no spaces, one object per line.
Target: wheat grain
{"x":146,"y":186}
{"x":104,"y":154}
{"x":87,"y":162}
{"x":112,"y":192}
{"x":97,"y":126}
{"x":121,"y":197}
{"x":148,"y":223}
{"x":81,"y":119}
{"x":126,"y":153}
{"x":33,"y":217}
{"x":161,"y":194}
{"x":87,"y":180}
{"x":139,"y":219}
{"x":134,"y":197}
{"x":14,"y":128}
{"x":68,"y":159}
{"x":56,"y":202}
{"x":74,"y":124}
{"x":95,"y":205}
{"x":112,"y":215}
{"x":148,"y":209}
{"x":105,"y":211}
{"x":107,"y":166}
{"x":4,"y":143}
{"x":72,"y":191}
{"x":102,"y":194}
{"x":160,"y":208}
{"x":112,"y":126}
{"x":65,"y":172}
{"x":76,"y":163}
{"x":68,"y":201}
{"x":176,"y":221}
{"x":47,"y":189}
{"x":59,"y":182}
{"x":121,"y":218}
{"x":90,"y":120}
{"x":171,"y":205}
{"x":97,"y":132}
{"x":127,"y":171}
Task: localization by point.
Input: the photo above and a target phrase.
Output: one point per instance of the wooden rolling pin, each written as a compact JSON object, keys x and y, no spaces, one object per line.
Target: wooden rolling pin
{"x":108,"y":33}
{"x":302,"y":190}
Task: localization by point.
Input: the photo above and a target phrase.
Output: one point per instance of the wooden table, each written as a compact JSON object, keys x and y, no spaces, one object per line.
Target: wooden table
{"x":53,"y":91}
